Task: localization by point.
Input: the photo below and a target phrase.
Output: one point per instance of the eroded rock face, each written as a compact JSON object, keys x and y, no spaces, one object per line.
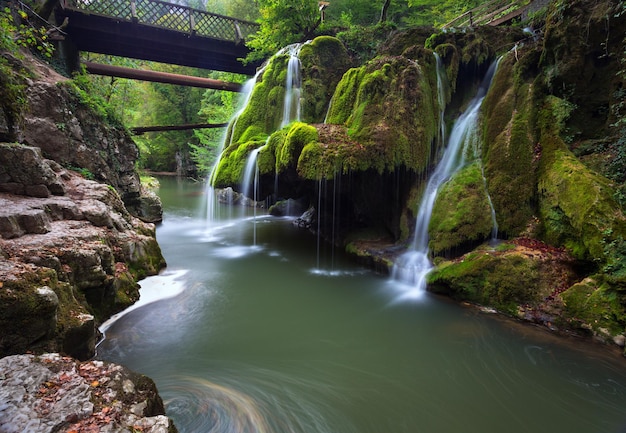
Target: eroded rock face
{"x":69,"y":260}
{"x":51,"y":393}
{"x":71,"y":134}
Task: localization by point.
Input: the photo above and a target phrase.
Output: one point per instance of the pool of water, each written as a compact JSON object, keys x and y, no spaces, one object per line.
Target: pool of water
{"x":253,"y":328}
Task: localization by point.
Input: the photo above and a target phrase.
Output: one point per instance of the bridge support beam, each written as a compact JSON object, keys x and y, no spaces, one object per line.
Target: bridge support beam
{"x":160,"y":77}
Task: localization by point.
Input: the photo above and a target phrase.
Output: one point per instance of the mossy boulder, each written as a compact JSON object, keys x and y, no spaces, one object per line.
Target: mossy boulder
{"x":390,"y":107}
{"x":598,"y":305}
{"x":461,"y":214}
{"x":503,"y":281}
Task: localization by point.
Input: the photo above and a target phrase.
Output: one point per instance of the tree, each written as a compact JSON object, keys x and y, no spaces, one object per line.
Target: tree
{"x":283,"y":22}
{"x":383,"y":13}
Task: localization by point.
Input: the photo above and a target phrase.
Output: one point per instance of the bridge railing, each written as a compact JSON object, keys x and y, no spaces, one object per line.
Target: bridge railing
{"x":487,"y":13}
{"x":170,"y":16}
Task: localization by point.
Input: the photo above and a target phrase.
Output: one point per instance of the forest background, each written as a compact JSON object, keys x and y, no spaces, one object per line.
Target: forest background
{"x":359,"y":24}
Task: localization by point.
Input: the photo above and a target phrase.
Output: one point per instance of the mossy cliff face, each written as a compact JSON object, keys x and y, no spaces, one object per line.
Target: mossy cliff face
{"x":71,"y":252}
{"x":543,"y":99}
{"x":323,"y":61}
{"x":510,"y":150}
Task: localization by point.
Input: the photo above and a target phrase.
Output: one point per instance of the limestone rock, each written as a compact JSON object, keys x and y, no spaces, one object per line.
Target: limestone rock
{"x":51,"y":393}
{"x":66,"y":259}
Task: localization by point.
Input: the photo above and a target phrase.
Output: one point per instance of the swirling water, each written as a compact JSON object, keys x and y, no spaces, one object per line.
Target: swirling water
{"x":253,"y":338}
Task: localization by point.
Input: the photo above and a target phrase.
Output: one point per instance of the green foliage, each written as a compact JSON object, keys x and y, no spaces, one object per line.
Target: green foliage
{"x":362,"y":42}
{"x":84,"y":172}
{"x":24,"y":34}
{"x":82,"y":87}
{"x":283,"y":22}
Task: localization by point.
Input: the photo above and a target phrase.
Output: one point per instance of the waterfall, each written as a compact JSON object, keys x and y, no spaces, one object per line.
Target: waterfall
{"x":413,"y":266}
{"x":293,"y":85}
{"x":211,"y":202}
{"x":250,"y":185}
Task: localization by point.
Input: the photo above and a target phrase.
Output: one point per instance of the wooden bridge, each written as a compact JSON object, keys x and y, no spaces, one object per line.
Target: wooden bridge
{"x":491,"y":13}
{"x":158,"y":31}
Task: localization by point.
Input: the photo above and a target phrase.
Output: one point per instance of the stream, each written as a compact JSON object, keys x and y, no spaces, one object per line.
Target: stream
{"x":253,"y":329}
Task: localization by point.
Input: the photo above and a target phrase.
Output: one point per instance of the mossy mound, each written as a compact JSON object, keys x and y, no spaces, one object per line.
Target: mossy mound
{"x":598,"y":305}
{"x":509,"y":151}
{"x":503,"y":281}
{"x":390,"y":107}
{"x":324,"y":61}
{"x":461,"y":215}
{"x":230,"y":170}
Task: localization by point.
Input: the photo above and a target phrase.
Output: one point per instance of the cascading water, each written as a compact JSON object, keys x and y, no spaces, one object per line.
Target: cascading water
{"x":413,"y":266}
{"x":250,"y":183}
{"x":293,"y":85}
{"x":211,"y":208}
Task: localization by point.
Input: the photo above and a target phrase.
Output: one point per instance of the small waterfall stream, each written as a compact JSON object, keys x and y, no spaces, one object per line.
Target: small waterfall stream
{"x":211,"y":203}
{"x":250,"y":184}
{"x":293,"y":85}
{"x":413,"y":266}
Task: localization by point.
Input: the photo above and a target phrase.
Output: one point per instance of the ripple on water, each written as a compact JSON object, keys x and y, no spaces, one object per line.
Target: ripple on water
{"x":202,"y":405}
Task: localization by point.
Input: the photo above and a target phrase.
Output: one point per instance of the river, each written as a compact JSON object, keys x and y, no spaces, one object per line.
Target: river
{"x":252,"y":329}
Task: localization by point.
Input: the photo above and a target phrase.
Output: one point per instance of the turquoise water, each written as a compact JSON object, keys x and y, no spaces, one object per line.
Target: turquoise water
{"x":254,"y":337}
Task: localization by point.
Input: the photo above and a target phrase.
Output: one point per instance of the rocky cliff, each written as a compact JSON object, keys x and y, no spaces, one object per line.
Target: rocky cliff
{"x":71,"y":244}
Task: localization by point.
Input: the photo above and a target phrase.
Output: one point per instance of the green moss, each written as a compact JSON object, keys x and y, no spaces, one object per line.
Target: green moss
{"x":269,"y":91}
{"x":344,"y":98}
{"x":510,"y":156}
{"x":230,"y":169}
{"x":389,"y":107}
{"x":324,"y":61}
{"x":298,"y":136}
{"x":461,"y":214}
{"x":597,"y":305}
{"x":577,"y":206}
{"x":501,"y":281}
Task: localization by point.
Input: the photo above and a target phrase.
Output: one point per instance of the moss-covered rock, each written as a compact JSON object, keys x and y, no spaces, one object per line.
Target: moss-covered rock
{"x":597,"y":305}
{"x":500,"y":280}
{"x":577,"y":206}
{"x":232,"y":165}
{"x":390,"y":108}
{"x":461,"y":214}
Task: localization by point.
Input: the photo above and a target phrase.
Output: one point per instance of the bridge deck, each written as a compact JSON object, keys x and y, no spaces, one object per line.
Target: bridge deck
{"x":173,"y":34}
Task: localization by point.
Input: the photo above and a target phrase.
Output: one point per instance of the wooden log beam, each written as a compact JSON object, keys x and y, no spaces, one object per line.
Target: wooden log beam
{"x":141,"y":129}
{"x":160,"y":77}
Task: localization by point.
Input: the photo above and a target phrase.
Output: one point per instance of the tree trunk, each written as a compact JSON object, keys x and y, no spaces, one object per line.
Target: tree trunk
{"x":383,"y":13}
{"x":46,"y":7}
